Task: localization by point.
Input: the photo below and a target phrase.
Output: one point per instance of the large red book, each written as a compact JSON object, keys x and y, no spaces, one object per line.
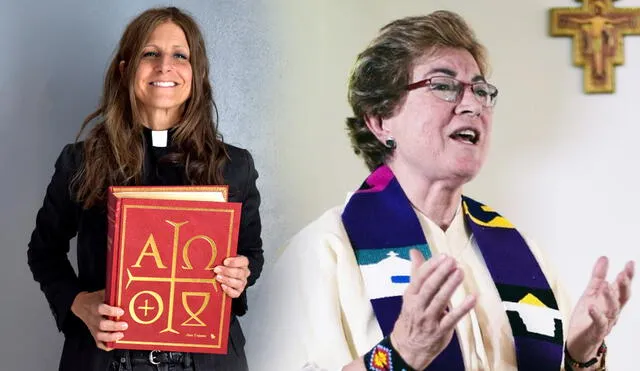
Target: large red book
{"x":163,"y":243}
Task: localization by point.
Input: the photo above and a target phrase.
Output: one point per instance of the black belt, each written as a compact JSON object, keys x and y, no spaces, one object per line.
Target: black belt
{"x":157,"y":357}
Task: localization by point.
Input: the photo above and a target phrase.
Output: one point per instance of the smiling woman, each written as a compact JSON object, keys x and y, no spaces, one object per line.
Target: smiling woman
{"x":410,"y":274}
{"x":154,"y":126}
{"x":163,"y":77}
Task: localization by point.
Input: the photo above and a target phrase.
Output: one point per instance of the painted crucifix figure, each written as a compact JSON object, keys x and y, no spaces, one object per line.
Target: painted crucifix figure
{"x":597,"y":29}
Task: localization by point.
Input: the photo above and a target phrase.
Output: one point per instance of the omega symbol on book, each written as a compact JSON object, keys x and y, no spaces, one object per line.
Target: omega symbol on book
{"x":147,"y":306}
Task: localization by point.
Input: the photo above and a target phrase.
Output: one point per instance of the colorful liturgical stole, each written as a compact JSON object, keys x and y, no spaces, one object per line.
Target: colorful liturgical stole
{"x":383,"y":227}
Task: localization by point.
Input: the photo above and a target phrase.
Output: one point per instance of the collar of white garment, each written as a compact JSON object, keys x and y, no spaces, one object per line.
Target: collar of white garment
{"x":457,"y":225}
{"x":159,"y":138}
{"x":454,"y":240}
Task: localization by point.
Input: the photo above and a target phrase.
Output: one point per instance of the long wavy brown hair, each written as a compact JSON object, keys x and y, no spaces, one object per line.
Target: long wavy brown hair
{"x":114,"y":148}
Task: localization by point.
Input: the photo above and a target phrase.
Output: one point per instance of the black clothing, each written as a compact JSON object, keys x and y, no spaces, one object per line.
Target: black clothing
{"x":61,"y":218}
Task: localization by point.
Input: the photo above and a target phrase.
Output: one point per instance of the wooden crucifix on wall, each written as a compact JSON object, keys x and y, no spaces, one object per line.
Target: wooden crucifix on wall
{"x":597,"y":29}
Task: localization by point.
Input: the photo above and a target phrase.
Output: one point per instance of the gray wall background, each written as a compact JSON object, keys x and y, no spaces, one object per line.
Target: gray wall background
{"x":53,"y":56}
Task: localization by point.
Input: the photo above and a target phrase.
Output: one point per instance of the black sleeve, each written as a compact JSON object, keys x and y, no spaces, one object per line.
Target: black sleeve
{"x":249,"y":240}
{"x":56,"y":225}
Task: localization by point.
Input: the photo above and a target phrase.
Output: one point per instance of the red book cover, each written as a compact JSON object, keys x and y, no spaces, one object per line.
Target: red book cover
{"x":160,"y":259}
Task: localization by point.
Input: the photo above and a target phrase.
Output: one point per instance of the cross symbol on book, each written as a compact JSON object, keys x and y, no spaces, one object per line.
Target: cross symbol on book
{"x":172,"y":280}
{"x":597,"y":29}
{"x":146,"y":307}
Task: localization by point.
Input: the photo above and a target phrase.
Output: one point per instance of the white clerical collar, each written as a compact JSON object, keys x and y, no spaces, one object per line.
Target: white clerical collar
{"x":159,"y":138}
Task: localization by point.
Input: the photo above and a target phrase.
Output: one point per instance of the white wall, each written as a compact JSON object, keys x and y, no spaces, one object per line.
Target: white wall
{"x":563,"y":165}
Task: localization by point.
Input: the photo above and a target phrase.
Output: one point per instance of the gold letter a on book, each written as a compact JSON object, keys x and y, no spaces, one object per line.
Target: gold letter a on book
{"x":150,"y":245}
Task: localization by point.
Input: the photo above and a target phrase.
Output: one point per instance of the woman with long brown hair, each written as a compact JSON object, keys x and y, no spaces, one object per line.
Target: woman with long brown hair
{"x":155,"y":125}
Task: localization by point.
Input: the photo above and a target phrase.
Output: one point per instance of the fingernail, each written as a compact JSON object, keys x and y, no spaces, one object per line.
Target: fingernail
{"x":119,"y":336}
{"x":124,"y":326}
{"x":217,"y":269}
{"x":120,"y":312}
{"x":220,"y":277}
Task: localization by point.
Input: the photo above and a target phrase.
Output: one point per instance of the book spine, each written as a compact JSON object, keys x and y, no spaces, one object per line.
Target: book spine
{"x":113,"y":248}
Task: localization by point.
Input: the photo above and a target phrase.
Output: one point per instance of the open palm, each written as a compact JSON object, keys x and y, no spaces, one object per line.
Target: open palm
{"x":598,"y":310}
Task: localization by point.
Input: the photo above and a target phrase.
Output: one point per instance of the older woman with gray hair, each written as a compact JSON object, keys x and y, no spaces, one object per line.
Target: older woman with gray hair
{"x":386,"y":280}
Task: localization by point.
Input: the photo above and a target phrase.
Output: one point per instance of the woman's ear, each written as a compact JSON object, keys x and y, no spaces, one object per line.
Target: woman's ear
{"x":377,"y":127}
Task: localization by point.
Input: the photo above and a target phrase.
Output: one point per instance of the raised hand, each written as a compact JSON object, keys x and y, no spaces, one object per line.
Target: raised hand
{"x":425,"y":326}
{"x":598,"y":310}
{"x":91,"y":309}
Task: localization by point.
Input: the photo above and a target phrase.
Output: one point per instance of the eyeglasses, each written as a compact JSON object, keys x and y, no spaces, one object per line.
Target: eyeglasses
{"x":451,"y":90}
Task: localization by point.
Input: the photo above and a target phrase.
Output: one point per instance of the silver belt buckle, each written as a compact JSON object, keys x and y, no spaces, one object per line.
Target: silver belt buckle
{"x":152,"y":358}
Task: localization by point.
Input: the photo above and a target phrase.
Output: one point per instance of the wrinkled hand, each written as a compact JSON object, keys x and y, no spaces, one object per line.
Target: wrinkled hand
{"x":233,"y":275}
{"x":425,"y":326}
{"x":597,"y":310}
{"x":91,"y":309}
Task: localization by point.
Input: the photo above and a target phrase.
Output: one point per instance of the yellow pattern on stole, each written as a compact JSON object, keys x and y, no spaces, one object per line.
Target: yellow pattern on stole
{"x":496,"y":222}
